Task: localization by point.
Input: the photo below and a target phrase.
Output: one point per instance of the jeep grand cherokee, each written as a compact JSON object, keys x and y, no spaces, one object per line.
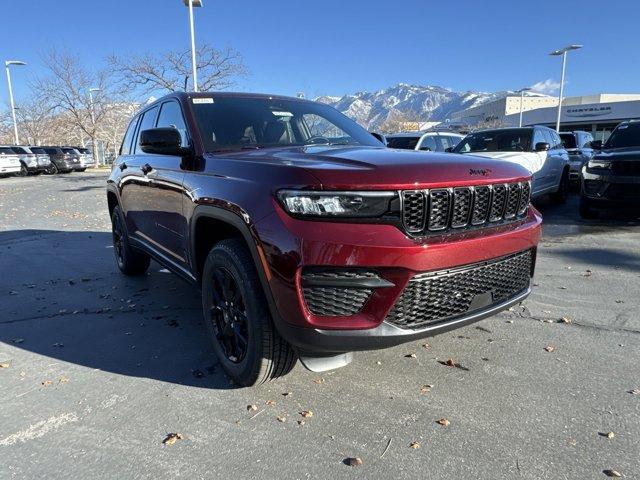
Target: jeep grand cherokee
{"x":308,"y":238}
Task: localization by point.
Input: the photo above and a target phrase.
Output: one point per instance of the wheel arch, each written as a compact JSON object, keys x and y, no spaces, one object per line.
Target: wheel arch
{"x":226,"y":224}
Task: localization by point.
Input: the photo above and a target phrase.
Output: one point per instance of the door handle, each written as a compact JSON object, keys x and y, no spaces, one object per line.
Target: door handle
{"x":146,"y":168}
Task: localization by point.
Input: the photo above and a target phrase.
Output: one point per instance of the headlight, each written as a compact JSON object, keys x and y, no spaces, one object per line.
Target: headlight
{"x":335,"y":204}
{"x":602,"y":164}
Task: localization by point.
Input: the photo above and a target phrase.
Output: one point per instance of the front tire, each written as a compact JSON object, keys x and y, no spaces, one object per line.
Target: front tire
{"x":130,"y":262}
{"x":238,"y":320}
{"x":23,"y":171}
{"x":52,"y":169}
{"x":586,"y":210}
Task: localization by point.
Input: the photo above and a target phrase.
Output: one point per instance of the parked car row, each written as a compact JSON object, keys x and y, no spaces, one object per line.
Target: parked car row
{"x":608,"y":176}
{"x":23,"y":160}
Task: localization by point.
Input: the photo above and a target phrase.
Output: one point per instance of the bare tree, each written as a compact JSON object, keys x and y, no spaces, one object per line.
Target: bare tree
{"x":36,"y":119}
{"x":67,"y":88}
{"x":171,"y":71}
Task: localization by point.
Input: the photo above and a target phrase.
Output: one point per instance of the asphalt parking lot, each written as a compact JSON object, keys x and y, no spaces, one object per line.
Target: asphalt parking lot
{"x":97,"y":368}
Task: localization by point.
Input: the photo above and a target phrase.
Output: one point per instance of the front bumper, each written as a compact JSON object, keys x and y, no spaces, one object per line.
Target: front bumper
{"x":291,"y":246}
{"x":607,"y":189}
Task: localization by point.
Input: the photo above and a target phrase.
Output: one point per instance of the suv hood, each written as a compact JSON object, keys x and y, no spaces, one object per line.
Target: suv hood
{"x":619,"y":154}
{"x":378,"y":167}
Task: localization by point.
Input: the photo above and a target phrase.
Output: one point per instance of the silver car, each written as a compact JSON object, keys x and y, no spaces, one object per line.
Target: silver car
{"x":9,"y":162}
{"x":578,"y":146}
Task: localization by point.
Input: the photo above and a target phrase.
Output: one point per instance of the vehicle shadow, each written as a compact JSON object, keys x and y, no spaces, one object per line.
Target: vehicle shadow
{"x":72,"y":304}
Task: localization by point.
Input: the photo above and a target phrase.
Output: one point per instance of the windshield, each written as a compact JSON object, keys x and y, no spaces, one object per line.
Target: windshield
{"x":405,"y":143}
{"x":568,"y":140}
{"x":508,"y":140}
{"x":233,"y":123}
{"x":626,"y":135}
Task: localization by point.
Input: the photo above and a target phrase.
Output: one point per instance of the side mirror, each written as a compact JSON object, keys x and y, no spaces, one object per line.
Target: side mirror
{"x":162,"y":141}
{"x":449,"y":149}
{"x":596,"y":144}
{"x":542,"y":147}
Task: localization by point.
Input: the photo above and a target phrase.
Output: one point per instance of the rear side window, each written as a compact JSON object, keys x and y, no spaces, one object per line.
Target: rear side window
{"x":125,"y":148}
{"x":148,"y":121}
{"x":19,"y":150}
{"x":568,"y":140}
{"x":51,"y":151}
{"x":38,"y":151}
{"x":171,"y":116}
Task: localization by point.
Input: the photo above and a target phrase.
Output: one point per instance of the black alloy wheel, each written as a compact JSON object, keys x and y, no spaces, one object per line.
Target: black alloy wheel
{"x":228,"y":315}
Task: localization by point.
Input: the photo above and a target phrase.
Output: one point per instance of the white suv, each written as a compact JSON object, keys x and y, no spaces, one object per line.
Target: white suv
{"x":434,"y":141}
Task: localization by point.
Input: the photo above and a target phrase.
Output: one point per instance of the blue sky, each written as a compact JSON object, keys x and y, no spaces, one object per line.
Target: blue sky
{"x":341,"y":46}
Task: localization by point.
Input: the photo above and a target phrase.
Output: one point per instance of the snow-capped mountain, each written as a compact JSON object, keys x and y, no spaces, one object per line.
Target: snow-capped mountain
{"x":412,"y":102}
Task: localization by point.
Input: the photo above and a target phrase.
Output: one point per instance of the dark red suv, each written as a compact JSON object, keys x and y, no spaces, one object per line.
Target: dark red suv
{"x":309,"y":238}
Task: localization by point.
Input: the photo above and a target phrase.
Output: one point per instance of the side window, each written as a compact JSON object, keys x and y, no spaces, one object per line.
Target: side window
{"x":588,"y":138}
{"x":171,"y":116}
{"x":557,"y":142}
{"x":148,"y":121}
{"x":125,"y":148}
{"x":429,"y":143}
{"x":539,"y":136}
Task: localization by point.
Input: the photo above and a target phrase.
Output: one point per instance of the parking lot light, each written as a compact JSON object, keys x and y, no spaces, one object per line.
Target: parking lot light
{"x":191,"y":4}
{"x":7,"y":64}
{"x":557,"y":53}
{"x":521,"y":92}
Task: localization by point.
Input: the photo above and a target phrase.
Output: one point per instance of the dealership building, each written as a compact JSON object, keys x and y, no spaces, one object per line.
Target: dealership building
{"x":598,"y":114}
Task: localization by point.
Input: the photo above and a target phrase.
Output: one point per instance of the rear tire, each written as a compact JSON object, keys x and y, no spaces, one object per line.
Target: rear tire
{"x":586,"y":210}
{"x":563,"y":189}
{"x":52,"y":169}
{"x":130,"y":261}
{"x":238,"y":320}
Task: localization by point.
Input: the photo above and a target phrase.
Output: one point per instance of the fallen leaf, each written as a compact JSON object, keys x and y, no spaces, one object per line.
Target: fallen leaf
{"x":415,"y":445}
{"x":252,"y":407}
{"x":301,"y":423}
{"x":619,"y":301}
{"x":5,"y":365}
{"x":425,"y":389}
{"x":353,"y":461}
{"x":281,"y":418}
{"x":550,"y":348}
{"x":425,"y":345}
{"x":443,"y":421}
{"x":318,"y":381}
{"x":306,"y":413}
{"x":46,"y":383}
{"x":509,"y":321}
{"x":565,"y":320}
{"x":271,"y":403}
{"x":172,"y":438}
{"x":411,"y":355}
{"x":612,"y":473}
{"x":63,"y":380}
{"x":286,"y":394}
{"x":610,"y":435}
{"x":635,"y":391}
{"x":450,"y":362}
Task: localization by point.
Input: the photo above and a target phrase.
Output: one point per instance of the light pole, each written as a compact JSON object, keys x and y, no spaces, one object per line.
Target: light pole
{"x":557,"y":53}
{"x":191,"y":4}
{"x":13,"y":107}
{"x":521,"y":92}
{"x":93,"y":125}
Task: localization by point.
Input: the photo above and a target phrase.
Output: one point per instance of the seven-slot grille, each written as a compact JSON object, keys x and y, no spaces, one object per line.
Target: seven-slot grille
{"x":434,"y":297}
{"x":425,"y":211}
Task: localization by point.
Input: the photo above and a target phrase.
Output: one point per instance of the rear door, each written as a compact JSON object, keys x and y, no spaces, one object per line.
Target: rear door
{"x":135,"y":183}
{"x":557,"y":159}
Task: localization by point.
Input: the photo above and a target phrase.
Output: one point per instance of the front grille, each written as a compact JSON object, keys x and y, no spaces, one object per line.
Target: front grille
{"x":336,"y":298}
{"x":623,"y":191}
{"x":434,"y":297}
{"x":630,"y":167}
{"x":437,"y":210}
